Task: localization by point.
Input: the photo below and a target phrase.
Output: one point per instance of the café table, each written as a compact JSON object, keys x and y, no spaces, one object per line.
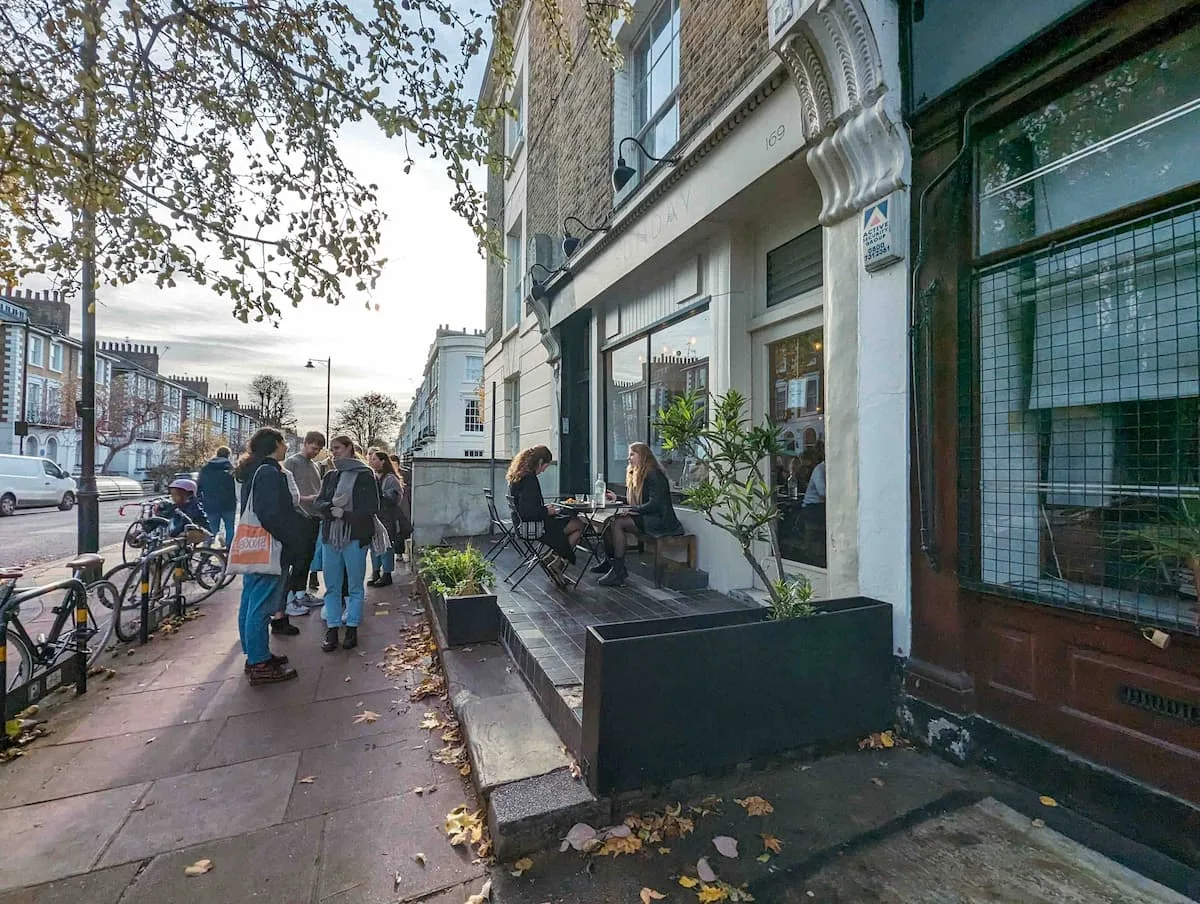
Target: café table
{"x":595,"y":518}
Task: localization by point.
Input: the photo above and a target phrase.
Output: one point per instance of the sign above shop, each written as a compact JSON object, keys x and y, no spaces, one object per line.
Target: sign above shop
{"x":883,"y":232}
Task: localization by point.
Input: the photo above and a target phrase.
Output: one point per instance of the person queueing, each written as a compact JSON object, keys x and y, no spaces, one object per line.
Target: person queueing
{"x":303,"y":468}
{"x":560,"y":532}
{"x":185,"y":510}
{"x":265,"y":488}
{"x":391,"y":491}
{"x":347,"y":504}
{"x":218,"y":494}
{"x":649,"y":510}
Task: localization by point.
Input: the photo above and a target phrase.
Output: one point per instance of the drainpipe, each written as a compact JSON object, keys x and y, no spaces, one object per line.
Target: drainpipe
{"x":23,"y":412}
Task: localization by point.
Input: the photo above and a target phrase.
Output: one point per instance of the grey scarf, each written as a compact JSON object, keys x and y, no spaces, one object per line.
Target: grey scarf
{"x":343,"y":500}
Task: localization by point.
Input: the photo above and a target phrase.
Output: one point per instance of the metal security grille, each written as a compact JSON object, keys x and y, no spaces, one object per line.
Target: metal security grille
{"x":1085,"y":454}
{"x":794,"y":268}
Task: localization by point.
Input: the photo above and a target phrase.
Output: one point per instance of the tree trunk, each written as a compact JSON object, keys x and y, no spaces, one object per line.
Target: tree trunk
{"x":748,"y":554}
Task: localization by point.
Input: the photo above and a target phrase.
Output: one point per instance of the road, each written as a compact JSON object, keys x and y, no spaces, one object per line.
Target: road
{"x":44,"y":534}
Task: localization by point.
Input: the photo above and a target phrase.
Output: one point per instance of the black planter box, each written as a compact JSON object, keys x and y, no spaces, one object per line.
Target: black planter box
{"x":467,"y":619}
{"x":672,"y":697}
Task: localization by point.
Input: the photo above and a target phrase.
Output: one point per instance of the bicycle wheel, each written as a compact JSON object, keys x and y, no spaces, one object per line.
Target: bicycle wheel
{"x":131,"y":546}
{"x":103,"y":600}
{"x":127,"y":617}
{"x":20,"y":662}
{"x":207,"y":568}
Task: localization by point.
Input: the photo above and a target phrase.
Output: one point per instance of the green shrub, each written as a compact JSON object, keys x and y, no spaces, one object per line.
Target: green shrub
{"x":456,"y":572}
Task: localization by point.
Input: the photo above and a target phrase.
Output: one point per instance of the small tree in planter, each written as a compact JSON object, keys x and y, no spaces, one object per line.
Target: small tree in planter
{"x":1175,"y":542}
{"x":733,"y":492}
{"x":460,"y":582}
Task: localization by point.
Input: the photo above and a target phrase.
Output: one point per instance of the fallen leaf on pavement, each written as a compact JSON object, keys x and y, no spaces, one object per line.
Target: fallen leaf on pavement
{"x":726,"y":846}
{"x":485,"y":894}
{"x":199,"y":868}
{"x":664,"y":850}
{"x":877,"y":782}
{"x":151,"y":740}
{"x":688,"y":882}
{"x":755,"y":806}
{"x":419,"y":858}
{"x":882,"y":740}
{"x":580,"y":835}
{"x":308,"y":780}
{"x":620,"y":844}
{"x":347,"y":679}
{"x":521,"y":867}
{"x":431,"y":722}
{"x":771,"y":843}
{"x":705,"y":871}
{"x":366,"y":716}
{"x":649,"y":894}
{"x":1039,"y":823}
{"x":709,"y":894}
{"x":1047,"y":801}
{"x":763,"y":858}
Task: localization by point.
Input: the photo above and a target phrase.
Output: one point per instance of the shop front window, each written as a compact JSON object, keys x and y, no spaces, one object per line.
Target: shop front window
{"x":797,"y":407}
{"x":643,"y":377}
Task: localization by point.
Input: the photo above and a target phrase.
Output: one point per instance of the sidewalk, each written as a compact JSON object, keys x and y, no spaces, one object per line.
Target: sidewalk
{"x":290,"y":790}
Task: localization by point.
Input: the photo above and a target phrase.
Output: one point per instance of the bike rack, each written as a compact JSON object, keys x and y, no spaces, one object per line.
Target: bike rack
{"x":162,"y":552}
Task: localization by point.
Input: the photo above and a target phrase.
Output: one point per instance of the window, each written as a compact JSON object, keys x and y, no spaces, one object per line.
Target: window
{"x":472,"y":453}
{"x":796,"y":368}
{"x":794,"y":268}
{"x":512,"y":404}
{"x":642,"y":377}
{"x":515,"y":133}
{"x":656,"y":81}
{"x":514,"y":280}
{"x":37,"y":354}
{"x":1088,"y":350}
{"x":473,"y":371}
{"x":50,"y":469}
{"x":473,"y":422}
{"x":56,"y":357}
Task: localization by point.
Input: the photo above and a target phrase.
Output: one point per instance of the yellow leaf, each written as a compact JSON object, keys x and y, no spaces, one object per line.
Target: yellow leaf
{"x":367,"y":717}
{"x":617,"y":845}
{"x":522,"y":866}
{"x":664,"y":850}
{"x":771,"y":843}
{"x":754,"y":806}
{"x":886,"y":739}
{"x":688,"y":882}
{"x":649,"y":894}
{"x":711,"y":893}
{"x":199,"y":868}
{"x":763,"y":858}
{"x":1048,"y":801}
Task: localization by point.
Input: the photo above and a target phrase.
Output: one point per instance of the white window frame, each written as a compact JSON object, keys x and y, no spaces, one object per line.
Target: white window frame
{"x":472,"y":425}
{"x":514,"y":126}
{"x":36,"y":354}
{"x":514,"y":277}
{"x":57,"y":347}
{"x":473,"y":369}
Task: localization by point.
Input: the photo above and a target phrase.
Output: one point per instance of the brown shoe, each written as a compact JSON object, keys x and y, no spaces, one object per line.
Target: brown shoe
{"x":277,"y":660}
{"x":271,"y":673}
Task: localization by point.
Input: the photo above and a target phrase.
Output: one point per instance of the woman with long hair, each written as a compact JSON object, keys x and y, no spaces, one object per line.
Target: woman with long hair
{"x":649,"y":511}
{"x":347,"y":504}
{"x":560,"y":532}
{"x":391,"y":490}
{"x":265,"y":490}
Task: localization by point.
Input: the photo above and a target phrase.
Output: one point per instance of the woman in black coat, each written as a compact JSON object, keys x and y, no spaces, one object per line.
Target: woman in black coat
{"x":560,"y":532}
{"x":650,"y":511}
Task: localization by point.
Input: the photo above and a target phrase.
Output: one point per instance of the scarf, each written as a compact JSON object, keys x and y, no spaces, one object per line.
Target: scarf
{"x":343,"y":500}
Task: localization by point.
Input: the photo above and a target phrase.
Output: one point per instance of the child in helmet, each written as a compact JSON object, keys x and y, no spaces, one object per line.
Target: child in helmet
{"x":185,"y":510}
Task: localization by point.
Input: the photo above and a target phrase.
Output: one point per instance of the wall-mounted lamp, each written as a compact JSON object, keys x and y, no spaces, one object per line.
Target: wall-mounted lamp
{"x":622,"y":173}
{"x":571,"y":242}
{"x":537,"y":289}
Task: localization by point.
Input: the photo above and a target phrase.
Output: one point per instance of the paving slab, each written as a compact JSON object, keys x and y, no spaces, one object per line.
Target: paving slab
{"x":509,"y":739}
{"x":276,"y":864}
{"x":478,"y":672}
{"x":192,"y":666}
{"x":102,"y":887}
{"x":55,"y":771}
{"x":61,"y":837}
{"x":126,"y":713}
{"x":236,"y":697}
{"x":358,"y":770}
{"x":368,"y":845}
{"x":523,"y":815}
{"x":199,"y":806}
{"x":364,"y":674}
{"x":288,"y":728}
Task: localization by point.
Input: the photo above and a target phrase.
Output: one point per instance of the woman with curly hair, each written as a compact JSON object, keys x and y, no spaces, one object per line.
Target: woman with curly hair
{"x":561,"y":532}
{"x":649,"y":510}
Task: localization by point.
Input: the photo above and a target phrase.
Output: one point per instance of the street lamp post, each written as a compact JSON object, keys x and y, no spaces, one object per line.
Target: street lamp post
{"x":328,"y":362}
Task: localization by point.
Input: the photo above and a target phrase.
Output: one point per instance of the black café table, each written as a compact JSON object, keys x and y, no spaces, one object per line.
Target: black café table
{"x":595,"y":518}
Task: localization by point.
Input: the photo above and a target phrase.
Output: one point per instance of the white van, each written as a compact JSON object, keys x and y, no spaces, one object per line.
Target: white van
{"x":28,"y":481}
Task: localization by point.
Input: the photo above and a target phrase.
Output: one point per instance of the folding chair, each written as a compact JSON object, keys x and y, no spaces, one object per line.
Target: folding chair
{"x":527,"y":538}
{"x":506,"y":538}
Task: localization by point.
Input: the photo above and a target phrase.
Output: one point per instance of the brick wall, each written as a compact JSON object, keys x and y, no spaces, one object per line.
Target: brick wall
{"x":721,"y":43}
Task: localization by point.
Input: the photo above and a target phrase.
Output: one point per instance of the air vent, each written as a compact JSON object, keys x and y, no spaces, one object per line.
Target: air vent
{"x":794,"y":268}
{"x":1157,"y":704}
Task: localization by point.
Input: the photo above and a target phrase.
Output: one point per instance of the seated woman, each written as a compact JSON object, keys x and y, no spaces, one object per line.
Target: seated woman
{"x":560,"y":532}
{"x":649,"y":511}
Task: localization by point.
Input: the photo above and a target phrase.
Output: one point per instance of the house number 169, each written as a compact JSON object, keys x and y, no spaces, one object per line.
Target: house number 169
{"x":777,"y":136}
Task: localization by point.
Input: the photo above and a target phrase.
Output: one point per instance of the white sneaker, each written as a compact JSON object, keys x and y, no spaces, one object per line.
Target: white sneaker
{"x":295,"y":609}
{"x":308,"y":599}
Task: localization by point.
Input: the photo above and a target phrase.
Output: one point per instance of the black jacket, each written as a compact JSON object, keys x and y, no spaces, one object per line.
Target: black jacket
{"x":527,"y":494}
{"x":364,"y":505}
{"x":217,"y":491}
{"x":657,"y":511}
{"x":273,"y":504}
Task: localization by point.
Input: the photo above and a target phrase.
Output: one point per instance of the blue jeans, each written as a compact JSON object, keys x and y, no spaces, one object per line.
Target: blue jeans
{"x":385,"y":563}
{"x":316,"y":562}
{"x":350,"y":564}
{"x":261,"y":596}
{"x":215,"y":519}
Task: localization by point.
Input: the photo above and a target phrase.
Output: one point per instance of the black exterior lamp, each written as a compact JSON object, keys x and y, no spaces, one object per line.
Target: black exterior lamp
{"x":571,"y":242}
{"x":623,"y":172}
{"x":537,"y":288}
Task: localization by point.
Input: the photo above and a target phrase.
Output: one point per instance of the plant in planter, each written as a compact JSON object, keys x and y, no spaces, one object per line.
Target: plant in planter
{"x":1174,"y":542}
{"x":732,"y":491}
{"x":460,"y":582}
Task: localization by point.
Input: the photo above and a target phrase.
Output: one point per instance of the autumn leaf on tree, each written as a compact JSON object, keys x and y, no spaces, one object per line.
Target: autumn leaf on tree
{"x":754,"y":806}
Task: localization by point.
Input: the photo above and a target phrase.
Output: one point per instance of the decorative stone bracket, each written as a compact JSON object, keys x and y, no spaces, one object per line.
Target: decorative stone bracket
{"x":856,"y":151}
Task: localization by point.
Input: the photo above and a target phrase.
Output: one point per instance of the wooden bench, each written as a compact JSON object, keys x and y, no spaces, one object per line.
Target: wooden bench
{"x":667,"y":542}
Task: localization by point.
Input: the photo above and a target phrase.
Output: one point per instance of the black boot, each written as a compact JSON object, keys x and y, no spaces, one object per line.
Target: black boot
{"x":616,"y":576}
{"x":604,"y":567}
{"x":331,"y":640}
{"x":385,"y":580}
{"x":281,"y":625}
{"x":374,"y":582}
{"x":350,"y":641}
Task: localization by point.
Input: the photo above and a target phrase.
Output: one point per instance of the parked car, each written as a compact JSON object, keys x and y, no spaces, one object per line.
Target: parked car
{"x":26,"y":481}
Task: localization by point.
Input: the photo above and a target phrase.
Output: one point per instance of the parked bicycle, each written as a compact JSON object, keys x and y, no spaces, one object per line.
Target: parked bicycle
{"x":135,"y":534}
{"x":171,"y":575}
{"x":32,"y":667}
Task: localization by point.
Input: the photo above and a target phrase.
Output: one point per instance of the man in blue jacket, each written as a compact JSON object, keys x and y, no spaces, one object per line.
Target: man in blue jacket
{"x":218,"y":494}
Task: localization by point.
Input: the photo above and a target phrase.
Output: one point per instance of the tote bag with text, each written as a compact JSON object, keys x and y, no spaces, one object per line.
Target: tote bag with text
{"x":253,"y":551}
